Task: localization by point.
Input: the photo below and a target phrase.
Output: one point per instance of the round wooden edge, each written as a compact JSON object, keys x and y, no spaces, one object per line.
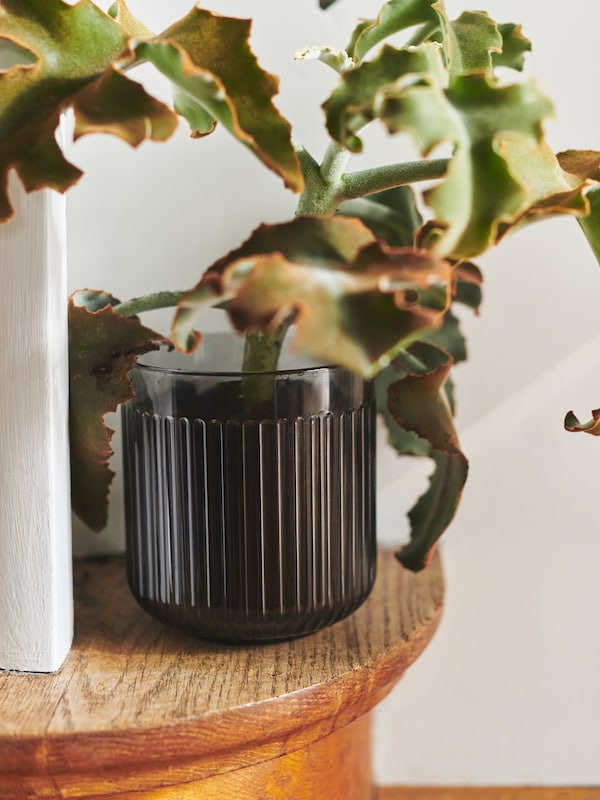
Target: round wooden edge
{"x":189,"y":749}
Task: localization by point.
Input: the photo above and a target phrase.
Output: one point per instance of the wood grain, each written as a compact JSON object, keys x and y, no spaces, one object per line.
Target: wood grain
{"x":138,"y":706}
{"x":488,"y":793}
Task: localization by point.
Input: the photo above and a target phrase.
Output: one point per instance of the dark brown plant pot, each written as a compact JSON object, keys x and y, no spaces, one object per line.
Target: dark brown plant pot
{"x":250,"y":498}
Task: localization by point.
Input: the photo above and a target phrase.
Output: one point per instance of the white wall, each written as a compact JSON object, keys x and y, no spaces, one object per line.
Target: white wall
{"x":507,"y":692}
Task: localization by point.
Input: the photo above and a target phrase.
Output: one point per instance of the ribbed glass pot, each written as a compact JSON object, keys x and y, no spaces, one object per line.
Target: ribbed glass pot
{"x":250,"y":497}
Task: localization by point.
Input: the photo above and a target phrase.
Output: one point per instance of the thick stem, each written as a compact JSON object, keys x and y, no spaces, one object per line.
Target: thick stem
{"x":369,"y":181}
{"x":262,"y":350}
{"x":261,"y":355}
{"x":423,"y":33}
{"x":323,"y":184}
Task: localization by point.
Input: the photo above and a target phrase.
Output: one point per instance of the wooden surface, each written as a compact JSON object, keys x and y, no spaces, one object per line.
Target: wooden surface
{"x":143,"y":706}
{"x":488,"y":793}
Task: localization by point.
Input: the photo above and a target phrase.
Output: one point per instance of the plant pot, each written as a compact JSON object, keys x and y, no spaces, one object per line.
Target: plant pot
{"x":250,"y":497}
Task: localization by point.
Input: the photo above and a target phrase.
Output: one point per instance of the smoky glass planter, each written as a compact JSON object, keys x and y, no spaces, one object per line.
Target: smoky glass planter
{"x":249,"y":497}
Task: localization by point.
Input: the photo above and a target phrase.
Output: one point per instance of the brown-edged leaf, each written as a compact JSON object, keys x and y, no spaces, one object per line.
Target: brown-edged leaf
{"x":208,"y":58}
{"x":103,"y":347}
{"x":573,"y":425}
{"x":74,"y":51}
{"x":354,"y":300}
{"x":411,"y":395}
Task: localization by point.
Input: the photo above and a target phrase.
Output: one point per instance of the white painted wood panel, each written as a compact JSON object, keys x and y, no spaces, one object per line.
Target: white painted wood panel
{"x":36,"y":599}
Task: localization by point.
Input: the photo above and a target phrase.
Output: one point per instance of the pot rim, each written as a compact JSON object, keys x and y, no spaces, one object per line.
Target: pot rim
{"x":199,"y":371}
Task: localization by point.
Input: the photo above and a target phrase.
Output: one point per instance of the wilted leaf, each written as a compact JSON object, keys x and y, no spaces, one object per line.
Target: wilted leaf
{"x":412,"y":399}
{"x":354,"y":300}
{"x":583,"y":163}
{"x":75,"y":48}
{"x":592,"y":427}
{"x":209,"y":60}
{"x":333,"y":57}
{"x":103,"y":347}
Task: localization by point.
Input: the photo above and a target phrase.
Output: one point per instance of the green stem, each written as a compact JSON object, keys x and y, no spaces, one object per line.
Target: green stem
{"x":149,"y":302}
{"x":261,"y":354}
{"x":334,"y":163}
{"x":377,"y":179}
{"x":423,"y":33}
{"x":322,"y":184}
{"x":262,"y":350}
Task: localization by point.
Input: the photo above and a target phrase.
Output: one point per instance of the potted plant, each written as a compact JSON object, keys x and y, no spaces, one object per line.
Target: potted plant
{"x":363,"y":281}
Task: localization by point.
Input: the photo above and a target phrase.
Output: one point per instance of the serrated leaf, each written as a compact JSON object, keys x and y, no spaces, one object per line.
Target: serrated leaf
{"x":354,"y":300}
{"x":130,"y":23}
{"x":411,"y":394}
{"x":103,"y":347}
{"x":494,"y":125}
{"x":75,"y":48}
{"x":114,"y":104}
{"x":514,"y":47}
{"x":361,"y":92}
{"x":208,"y":58}
{"x":470,"y":43}
{"x":551,"y":189}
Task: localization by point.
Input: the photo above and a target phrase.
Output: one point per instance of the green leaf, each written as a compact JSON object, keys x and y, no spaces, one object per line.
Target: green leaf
{"x":502,"y":173}
{"x":361,"y":92}
{"x":411,"y":396}
{"x":395,"y":16}
{"x":392,"y":215}
{"x":103,"y":347}
{"x":489,"y":182}
{"x":134,"y":28}
{"x":75,"y":48}
{"x":470,"y":43}
{"x":590,"y":224}
{"x":355,"y":301}
{"x":514,"y":47}
{"x":208,"y":58}
{"x":114,"y":104}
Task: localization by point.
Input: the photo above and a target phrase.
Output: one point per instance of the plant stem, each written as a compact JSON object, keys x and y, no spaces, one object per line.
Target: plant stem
{"x":423,"y":33}
{"x":261,"y":355}
{"x":369,"y":181}
{"x":321,"y":193}
{"x":326,"y":188}
{"x":262,"y":350}
{"x":149,"y":302}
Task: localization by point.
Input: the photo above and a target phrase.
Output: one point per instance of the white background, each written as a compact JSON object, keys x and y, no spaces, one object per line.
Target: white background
{"x":508,"y":691}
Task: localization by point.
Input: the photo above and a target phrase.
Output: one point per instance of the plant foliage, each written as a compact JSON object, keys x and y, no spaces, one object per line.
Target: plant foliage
{"x":369,"y":282}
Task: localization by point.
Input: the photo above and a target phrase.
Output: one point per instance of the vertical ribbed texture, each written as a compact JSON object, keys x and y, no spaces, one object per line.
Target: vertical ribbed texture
{"x":250,"y":530}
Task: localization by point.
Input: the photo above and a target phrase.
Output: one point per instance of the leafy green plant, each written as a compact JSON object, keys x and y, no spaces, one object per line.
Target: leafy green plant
{"x":368,"y":281}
